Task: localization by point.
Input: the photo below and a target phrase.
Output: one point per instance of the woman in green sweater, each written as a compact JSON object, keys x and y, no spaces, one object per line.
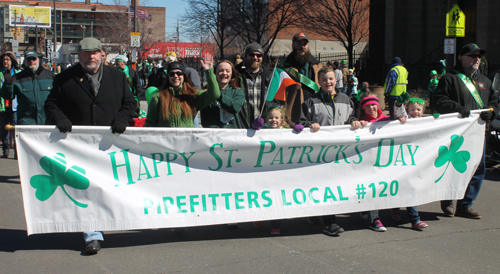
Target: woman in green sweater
{"x":222,"y":113}
{"x":176,"y":106}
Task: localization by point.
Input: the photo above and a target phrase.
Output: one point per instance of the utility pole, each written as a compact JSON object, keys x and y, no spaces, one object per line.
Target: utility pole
{"x":36,"y":38}
{"x":55,"y":36}
{"x":15,"y":24}
{"x":62,"y":27}
{"x":135,"y":15}
{"x":177,"y":40}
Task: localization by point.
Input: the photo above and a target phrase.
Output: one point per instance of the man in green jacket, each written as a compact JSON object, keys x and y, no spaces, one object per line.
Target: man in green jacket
{"x":31,"y":86}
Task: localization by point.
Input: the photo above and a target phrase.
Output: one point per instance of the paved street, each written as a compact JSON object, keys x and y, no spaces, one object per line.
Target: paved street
{"x":448,"y":245}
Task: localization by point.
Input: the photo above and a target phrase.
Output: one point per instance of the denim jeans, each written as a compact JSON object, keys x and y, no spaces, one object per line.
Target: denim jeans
{"x":474,"y":184}
{"x":413,"y":214}
{"x":92,"y":235}
{"x":196,"y":121}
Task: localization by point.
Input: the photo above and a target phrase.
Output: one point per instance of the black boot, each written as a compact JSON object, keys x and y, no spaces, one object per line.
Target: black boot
{"x":5,"y":147}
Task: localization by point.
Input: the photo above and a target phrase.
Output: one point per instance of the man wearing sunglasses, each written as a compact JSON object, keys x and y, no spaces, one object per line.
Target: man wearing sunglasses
{"x":254,"y":79}
{"x":91,"y":94}
{"x":462,"y":90}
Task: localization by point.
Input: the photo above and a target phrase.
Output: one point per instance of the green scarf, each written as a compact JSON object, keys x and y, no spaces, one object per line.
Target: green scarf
{"x":471,"y":87}
{"x":297,"y":76}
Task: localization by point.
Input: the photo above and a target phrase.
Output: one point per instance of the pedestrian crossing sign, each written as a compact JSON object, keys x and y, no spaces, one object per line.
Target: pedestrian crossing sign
{"x":455,"y":22}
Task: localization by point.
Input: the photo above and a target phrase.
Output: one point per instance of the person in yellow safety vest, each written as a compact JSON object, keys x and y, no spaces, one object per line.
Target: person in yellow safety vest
{"x":395,"y":83}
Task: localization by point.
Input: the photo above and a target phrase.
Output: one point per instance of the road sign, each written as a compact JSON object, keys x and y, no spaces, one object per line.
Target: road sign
{"x":53,"y":55}
{"x":449,"y":46}
{"x":135,"y":38}
{"x":455,"y":22}
{"x":134,"y":55}
{"x":15,"y":45}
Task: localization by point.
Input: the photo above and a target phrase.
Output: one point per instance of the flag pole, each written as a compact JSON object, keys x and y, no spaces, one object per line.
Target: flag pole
{"x":267,"y":91}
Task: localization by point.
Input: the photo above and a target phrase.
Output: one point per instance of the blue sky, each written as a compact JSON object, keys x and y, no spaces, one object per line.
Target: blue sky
{"x":174,"y":9}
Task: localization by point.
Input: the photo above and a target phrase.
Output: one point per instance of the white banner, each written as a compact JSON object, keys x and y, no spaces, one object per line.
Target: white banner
{"x":91,"y":179}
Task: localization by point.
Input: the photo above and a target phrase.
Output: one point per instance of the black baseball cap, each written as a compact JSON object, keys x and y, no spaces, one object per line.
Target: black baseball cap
{"x":299,"y":36}
{"x":471,"y":47}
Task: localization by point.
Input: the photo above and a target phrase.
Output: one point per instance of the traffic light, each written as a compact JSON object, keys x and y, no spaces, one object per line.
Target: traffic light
{"x":18,"y":31}
{"x":13,"y":30}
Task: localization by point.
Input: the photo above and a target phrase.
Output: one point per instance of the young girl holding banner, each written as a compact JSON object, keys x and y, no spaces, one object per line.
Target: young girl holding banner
{"x":275,"y":119}
{"x":371,"y":113}
{"x":416,"y":108}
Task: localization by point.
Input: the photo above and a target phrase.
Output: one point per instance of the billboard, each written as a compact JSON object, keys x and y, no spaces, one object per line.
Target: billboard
{"x":160,"y":50}
{"x":21,"y":16}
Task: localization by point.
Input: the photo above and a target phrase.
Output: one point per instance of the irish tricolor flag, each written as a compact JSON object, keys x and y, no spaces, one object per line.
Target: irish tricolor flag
{"x":279,"y":82}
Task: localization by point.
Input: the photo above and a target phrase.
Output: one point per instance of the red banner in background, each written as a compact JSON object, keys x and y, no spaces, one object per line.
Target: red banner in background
{"x":159,"y":50}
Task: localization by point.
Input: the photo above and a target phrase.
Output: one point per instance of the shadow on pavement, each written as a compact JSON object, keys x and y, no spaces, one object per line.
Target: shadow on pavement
{"x":10,"y":179}
{"x":12,"y":240}
{"x":493,"y":174}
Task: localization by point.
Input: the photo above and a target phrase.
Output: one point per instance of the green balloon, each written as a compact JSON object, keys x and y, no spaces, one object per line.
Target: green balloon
{"x":150,"y":92}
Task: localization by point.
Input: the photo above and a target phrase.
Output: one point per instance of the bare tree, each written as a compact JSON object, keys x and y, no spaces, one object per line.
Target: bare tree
{"x":120,"y":25}
{"x":260,"y":21}
{"x":345,"y":20}
{"x":211,"y":16}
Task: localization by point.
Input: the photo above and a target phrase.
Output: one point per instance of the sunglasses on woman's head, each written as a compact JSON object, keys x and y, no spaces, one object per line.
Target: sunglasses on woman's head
{"x":173,"y":73}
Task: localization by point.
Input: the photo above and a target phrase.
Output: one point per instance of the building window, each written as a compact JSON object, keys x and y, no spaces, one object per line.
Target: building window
{"x":324,"y":48}
{"x":92,"y":16}
{"x":74,"y":15}
{"x":69,"y":15}
{"x":331,"y":49}
{"x":85,"y":15}
{"x":108,"y":16}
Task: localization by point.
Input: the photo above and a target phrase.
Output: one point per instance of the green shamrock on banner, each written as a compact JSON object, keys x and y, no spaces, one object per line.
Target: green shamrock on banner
{"x":55,"y":166}
{"x":457,"y":158}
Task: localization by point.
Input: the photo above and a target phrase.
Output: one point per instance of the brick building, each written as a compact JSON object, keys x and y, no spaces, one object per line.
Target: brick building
{"x":77,"y":20}
{"x":415,"y":32}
